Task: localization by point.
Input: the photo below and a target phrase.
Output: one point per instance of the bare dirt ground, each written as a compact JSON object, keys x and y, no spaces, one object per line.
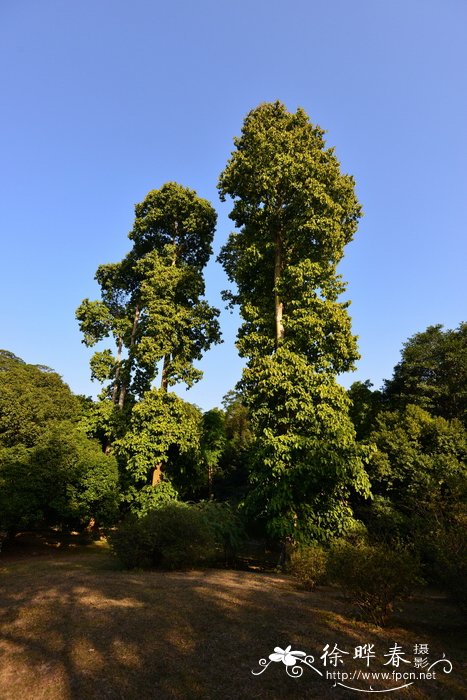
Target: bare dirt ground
{"x":75,"y":627}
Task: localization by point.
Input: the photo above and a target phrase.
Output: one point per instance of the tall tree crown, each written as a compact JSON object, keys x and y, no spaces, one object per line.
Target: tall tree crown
{"x":175,"y":215}
{"x":281,"y":174}
{"x":295,"y":211}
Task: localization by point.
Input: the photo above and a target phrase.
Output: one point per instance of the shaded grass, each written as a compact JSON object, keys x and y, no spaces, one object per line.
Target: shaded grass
{"x":73,"y":626}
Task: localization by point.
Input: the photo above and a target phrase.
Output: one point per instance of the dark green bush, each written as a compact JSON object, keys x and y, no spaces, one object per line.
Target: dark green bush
{"x":133,"y":543}
{"x":445,"y":555}
{"x":64,"y":480}
{"x":175,"y":536}
{"x":226,"y":527}
{"x":374,"y":578}
{"x":308,"y":565}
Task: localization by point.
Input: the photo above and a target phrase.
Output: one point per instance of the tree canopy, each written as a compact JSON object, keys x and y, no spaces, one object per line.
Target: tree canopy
{"x":152,"y":301}
{"x":32,"y":398}
{"x":50,"y":472}
{"x":432,"y":373}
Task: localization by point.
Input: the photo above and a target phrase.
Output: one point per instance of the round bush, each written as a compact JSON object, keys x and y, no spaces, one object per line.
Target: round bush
{"x":175,"y":536}
{"x":308,"y":565}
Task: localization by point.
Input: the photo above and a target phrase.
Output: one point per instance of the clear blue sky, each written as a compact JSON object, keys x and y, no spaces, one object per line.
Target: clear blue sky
{"x":104,"y":100}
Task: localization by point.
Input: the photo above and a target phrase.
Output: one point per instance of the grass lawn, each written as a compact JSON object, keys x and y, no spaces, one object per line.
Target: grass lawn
{"x":74,"y":626}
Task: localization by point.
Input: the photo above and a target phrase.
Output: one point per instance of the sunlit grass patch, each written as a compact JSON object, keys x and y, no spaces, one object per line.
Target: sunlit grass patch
{"x":73,"y":627}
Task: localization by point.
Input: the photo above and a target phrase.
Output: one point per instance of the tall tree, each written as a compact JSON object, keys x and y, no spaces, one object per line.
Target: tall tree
{"x":152,"y":305}
{"x":294,"y":211}
{"x":160,"y":423}
{"x":152,"y":302}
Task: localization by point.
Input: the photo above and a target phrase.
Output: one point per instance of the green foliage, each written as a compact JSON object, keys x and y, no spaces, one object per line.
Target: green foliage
{"x":175,"y":536}
{"x":432,"y":373}
{"x":151,"y":302}
{"x":295,"y":211}
{"x":175,"y":215}
{"x":288,"y":192}
{"x":231,"y":481}
{"x":236,"y":421}
{"x":65,"y":479}
{"x":308,"y":565}
{"x":104,"y":421}
{"x":178,"y":324}
{"x":373,"y":578}
{"x":445,"y":553}
{"x":364,"y":407}
{"x":152,"y":307}
{"x":159,"y":422}
{"x":50,"y":472}
{"x":226,"y":526}
{"x":213,"y":444}
{"x":385,"y":521}
{"x":32,"y":398}
{"x":148,"y":498}
{"x":304,"y":461}
{"x":418,"y":470}
{"x":420,"y":465}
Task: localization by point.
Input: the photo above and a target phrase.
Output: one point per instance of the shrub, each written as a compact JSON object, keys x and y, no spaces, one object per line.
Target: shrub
{"x":175,"y":536}
{"x":373,"y":577}
{"x":385,"y":522}
{"x":445,"y":554}
{"x":308,"y":565}
{"x":132,"y":543}
{"x":225,"y":525}
{"x":144,"y":500}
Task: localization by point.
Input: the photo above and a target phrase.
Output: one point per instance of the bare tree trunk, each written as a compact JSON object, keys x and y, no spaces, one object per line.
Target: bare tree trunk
{"x":121,"y":398}
{"x":278,"y":304}
{"x":156,"y":475}
{"x":284,"y":556}
{"x":165,"y":373}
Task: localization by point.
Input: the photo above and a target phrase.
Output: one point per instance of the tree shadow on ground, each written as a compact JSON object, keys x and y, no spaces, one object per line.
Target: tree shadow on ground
{"x":73,"y":627}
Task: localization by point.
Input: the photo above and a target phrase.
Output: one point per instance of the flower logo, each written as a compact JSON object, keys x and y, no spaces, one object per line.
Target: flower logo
{"x":291,"y":661}
{"x":289,"y":658}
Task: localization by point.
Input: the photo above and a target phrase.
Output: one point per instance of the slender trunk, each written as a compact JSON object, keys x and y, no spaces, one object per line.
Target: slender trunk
{"x":123,"y":388}
{"x":157,"y":473}
{"x":121,"y":398}
{"x":210,"y":475}
{"x":278,"y":304}
{"x":117,"y":371}
{"x":284,"y":555}
{"x":165,"y":373}
{"x":166,"y":365}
